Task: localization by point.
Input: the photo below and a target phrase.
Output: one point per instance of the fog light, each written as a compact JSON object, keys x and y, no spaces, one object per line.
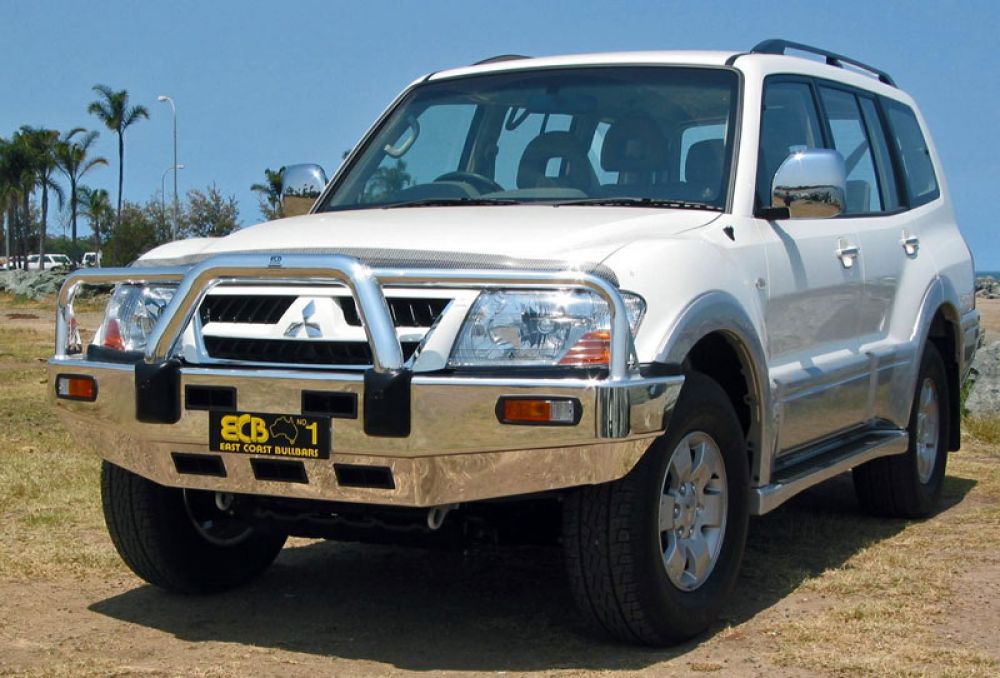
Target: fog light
{"x":528,"y":411}
{"x":76,"y":387}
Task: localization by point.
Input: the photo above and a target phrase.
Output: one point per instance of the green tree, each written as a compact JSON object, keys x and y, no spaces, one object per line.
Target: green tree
{"x":134,"y":233}
{"x":41,"y":145}
{"x":269,"y":194}
{"x":114,"y":110}
{"x":210,"y":214}
{"x":97,"y":209}
{"x":72,"y":156}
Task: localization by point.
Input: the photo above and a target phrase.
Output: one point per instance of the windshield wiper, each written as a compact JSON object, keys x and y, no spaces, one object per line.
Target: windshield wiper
{"x":450,"y":202}
{"x":628,"y":201}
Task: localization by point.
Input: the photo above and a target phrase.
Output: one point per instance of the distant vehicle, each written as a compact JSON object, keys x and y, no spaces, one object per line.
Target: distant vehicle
{"x":90,"y":260}
{"x":51,"y":261}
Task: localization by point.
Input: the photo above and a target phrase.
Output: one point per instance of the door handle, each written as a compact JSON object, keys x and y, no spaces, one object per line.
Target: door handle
{"x":847,"y":253}
{"x":910,"y":243}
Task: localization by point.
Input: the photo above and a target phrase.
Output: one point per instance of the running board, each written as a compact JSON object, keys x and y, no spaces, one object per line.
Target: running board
{"x":826,"y":464}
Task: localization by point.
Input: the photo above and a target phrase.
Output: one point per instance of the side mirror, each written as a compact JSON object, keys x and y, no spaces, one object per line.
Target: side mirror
{"x":810,"y":184}
{"x":300,"y":186}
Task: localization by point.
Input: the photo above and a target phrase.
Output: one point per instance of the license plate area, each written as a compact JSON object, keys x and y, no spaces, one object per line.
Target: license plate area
{"x":287,"y":436}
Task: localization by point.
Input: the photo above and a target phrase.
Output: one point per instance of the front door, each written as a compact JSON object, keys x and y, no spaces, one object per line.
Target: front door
{"x":814,"y":290}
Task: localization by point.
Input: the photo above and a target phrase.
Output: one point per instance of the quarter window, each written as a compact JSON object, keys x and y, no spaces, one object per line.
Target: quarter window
{"x":850,"y":139}
{"x":921,"y":184}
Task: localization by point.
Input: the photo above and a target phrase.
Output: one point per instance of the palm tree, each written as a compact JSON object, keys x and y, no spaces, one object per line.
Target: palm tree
{"x":17,"y":181}
{"x":114,"y":111}
{"x":97,"y":208}
{"x":71,"y":155}
{"x":270,"y":194}
{"x":42,"y":144}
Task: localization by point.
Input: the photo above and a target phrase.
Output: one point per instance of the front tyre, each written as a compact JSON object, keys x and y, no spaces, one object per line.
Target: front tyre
{"x":909,"y":485}
{"x":653,"y":556}
{"x":182,"y":540}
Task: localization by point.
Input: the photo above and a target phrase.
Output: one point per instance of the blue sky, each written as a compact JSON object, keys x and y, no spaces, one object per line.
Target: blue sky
{"x":265,"y":84}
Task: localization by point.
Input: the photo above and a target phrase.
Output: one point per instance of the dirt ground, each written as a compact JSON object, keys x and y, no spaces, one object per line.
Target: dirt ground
{"x":824,"y":589}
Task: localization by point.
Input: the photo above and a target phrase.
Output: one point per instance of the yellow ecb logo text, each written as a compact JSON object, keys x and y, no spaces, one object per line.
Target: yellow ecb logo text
{"x":244,"y":428}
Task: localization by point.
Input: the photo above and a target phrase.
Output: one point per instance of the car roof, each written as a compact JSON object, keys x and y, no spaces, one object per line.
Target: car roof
{"x":757,"y":64}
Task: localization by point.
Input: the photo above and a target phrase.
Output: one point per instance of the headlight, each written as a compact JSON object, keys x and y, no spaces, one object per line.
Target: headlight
{"x":560,"y":327}
{"x":132,"y":314}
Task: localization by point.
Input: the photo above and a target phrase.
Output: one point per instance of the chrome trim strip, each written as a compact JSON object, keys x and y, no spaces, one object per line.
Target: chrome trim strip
{"x":770,"y":497}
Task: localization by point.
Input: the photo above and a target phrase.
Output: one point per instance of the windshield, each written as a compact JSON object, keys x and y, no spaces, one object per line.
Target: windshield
{"x":608,"y":135}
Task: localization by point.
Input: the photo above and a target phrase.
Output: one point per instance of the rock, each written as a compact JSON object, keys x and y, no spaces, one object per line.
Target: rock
{"x":987,"y":286}
{"x":31,"y":284}
{"x":984,"y":396}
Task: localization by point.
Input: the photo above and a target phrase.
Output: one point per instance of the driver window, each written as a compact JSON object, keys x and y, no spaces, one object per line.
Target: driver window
{"x":851,"y":139}
{"x":425,"y":151}
{"x":789,"y":123}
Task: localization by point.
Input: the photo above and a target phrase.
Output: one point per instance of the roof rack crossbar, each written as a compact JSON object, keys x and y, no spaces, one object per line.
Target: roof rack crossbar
{"x":778,"y":46}
{"x":501,"y":57}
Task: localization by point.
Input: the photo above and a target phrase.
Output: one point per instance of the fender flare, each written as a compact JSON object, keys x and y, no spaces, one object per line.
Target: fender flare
{"x":721,"y":312}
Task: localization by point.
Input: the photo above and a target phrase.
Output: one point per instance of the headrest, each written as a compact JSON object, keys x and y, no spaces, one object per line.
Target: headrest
{"x":576,"y":173}
{"x":634,"y":144}
{"x":704,"y":162}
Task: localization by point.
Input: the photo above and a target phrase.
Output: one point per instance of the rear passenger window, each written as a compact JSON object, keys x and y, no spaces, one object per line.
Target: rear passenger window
{"x":921,"y":184}
{"x":850,"y":138}
{"x":790,"y":123}
{"x":883,"y":158}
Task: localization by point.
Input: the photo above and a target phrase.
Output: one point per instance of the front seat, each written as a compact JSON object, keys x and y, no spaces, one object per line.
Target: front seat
{"x":636,"y":149}
{"x":703,"y":168}
{"x":574,"y":169}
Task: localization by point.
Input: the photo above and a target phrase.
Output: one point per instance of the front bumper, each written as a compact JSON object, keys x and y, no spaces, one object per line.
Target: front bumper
{"x":456,"y":451}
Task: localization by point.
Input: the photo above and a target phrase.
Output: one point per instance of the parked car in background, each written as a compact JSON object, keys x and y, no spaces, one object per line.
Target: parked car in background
{"x":91,"y":259}
{"x":51,"y":261}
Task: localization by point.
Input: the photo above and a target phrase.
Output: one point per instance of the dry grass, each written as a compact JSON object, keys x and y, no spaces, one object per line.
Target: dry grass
{"x":845,"y":594}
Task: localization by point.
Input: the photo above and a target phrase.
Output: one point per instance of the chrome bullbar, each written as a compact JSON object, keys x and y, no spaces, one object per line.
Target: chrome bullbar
{"x":457,"y":445}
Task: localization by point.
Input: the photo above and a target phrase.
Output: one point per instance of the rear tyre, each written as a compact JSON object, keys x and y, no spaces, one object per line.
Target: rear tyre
{"x":653,"y":556}
{"x":909,"y":485}
{"x":182,"y":540}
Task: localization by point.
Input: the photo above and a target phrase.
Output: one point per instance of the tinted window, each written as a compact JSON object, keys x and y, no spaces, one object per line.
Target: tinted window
{"x":883,"y":158}
{"x":789,"y":123}
{"x":921,"y":184}
{"x":850,"y":138}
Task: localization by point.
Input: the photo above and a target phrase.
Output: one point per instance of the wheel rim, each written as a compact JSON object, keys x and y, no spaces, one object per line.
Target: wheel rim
{"x":928,"y":428}
{"x":209,"y":514}
{"x":692,"y":513}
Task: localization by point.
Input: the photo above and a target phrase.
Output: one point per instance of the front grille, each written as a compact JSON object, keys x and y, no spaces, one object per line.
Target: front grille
{"x":244,"y":308}
{"x":301,"y":352}
{"x":405,"y":312}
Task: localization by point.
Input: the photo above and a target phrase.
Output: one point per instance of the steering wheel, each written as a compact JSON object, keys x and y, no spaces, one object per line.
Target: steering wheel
{"x":477,"y":181}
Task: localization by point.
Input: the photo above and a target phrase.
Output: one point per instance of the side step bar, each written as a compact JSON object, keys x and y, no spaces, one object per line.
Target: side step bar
{"x":826,"y":464}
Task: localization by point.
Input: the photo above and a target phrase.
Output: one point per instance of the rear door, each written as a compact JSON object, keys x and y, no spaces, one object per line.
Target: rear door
{"x":814,"y":288}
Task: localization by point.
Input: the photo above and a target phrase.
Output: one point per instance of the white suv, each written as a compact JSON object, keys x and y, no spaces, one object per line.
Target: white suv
{"x":650,"y":293}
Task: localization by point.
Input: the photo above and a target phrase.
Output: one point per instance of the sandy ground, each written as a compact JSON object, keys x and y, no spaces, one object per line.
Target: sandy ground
{"x":344,"y":609}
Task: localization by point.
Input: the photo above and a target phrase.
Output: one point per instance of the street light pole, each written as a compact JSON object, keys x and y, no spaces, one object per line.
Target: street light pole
{"x":173,"y":107}
{"x":163,"y":193}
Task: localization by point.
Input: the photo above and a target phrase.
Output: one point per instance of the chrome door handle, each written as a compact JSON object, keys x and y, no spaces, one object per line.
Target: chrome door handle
{"x":911,"y":244}
{"x":847,"y":253}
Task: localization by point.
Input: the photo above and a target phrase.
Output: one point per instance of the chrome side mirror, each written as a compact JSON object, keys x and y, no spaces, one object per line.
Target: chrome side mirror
{"x":811,"y":184}
{"x":300,"y":186}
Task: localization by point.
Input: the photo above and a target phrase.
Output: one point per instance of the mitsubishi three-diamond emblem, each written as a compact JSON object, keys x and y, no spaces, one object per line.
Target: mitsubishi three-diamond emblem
{"x":305,"y":328}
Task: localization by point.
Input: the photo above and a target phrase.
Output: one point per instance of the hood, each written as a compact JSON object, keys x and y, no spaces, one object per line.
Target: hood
{"x":580,"y":234}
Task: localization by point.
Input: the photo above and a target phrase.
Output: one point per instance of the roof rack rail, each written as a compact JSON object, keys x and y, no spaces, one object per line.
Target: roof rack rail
{"x":778,"y":46}
{"x":501,"y":57}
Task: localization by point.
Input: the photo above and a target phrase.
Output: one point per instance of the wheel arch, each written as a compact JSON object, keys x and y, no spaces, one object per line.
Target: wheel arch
{"x":715,"y":336}
{"x":940,"y":323}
